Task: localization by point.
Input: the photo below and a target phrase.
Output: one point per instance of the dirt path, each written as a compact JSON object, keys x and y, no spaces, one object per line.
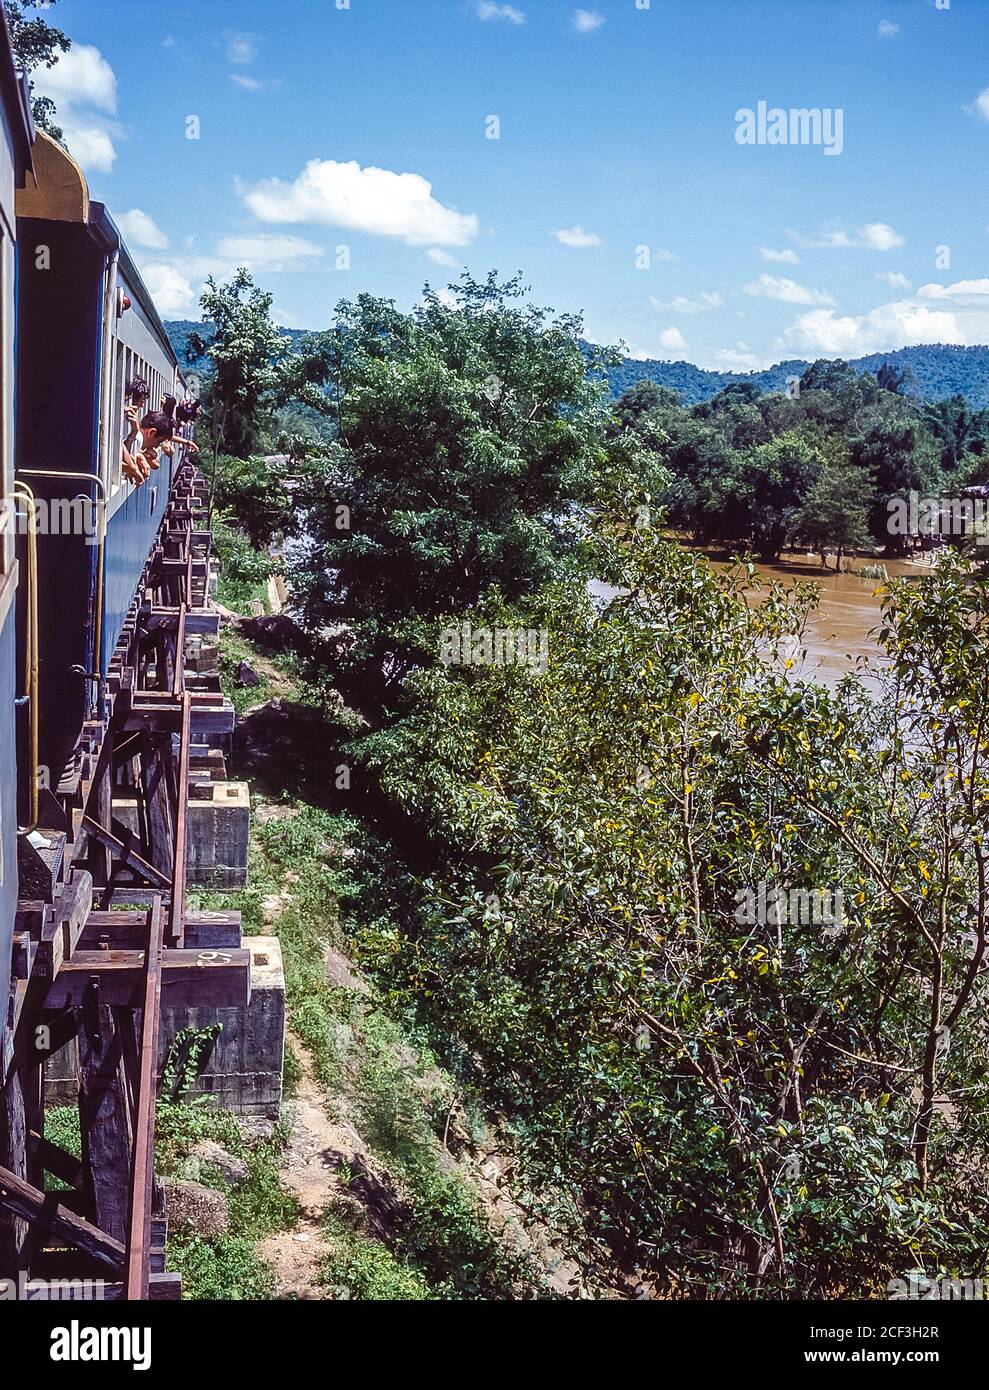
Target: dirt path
{"x":316,"y":1148}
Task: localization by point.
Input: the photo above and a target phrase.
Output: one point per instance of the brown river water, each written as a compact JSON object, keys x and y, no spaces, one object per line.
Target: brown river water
{"x":841,"y":631}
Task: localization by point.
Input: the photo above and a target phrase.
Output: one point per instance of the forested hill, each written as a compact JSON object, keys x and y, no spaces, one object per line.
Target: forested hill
{"x":933,"y":371}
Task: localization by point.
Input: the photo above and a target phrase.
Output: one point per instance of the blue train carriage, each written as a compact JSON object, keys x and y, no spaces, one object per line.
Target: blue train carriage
{"x":86,"y":326}
{"x":15,"y":166}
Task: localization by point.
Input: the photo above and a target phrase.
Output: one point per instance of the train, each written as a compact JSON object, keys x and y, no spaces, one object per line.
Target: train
{"x":107,"y":724}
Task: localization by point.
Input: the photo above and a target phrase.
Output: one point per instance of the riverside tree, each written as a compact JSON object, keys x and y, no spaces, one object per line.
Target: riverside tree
{"x":467,"y":432}
{"x":786,"y":1105}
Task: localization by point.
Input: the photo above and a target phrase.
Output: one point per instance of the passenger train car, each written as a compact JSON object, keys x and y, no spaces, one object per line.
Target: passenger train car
{"x":86,"y":325}
{"x":104,"y":732}
{"x":15,"y":168}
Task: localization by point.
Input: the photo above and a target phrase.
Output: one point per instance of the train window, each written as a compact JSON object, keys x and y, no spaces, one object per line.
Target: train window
{"x":119,"y":428}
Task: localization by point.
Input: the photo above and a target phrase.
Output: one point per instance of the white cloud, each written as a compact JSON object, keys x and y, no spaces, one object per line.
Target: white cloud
{"x":786,"y":290}
{"x":894,"y":278}
{"x":672,"y":340}
{"x":707,"y":299}
{"x":874,"y":236}
{"x":254,"y":84}
{"x":241,"y":48}
{"x":82,"y":76}
{"x":328,"y":193}
{"x":486,"y":9}
{"x":967,"y":289}
{"x":443,"y":258}
{"x":141,"y":230}
{"x":895,"y":325}
{"x":268,"y":251}
{"x":174,"y":297}
{"x":586,"y":21}
{"x":737,"y":359}
{"x":982,"y":104}
{"x":887,"y":29}
{"x":82,"y":84}
{"x":576,"y":236}
{"x":788,"y":256}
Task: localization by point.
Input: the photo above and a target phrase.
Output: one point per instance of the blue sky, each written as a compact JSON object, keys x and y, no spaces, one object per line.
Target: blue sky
{"x":366,"y":128}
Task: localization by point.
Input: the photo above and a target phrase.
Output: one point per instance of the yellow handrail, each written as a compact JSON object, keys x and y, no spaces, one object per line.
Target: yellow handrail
{"x":22,"y":491}
{"x":101,"y":505}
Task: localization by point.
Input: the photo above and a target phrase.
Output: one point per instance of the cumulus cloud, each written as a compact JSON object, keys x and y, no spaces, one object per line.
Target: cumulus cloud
{"x":176,"y":283}
{"x":83,"y":86}
{"x":174,"y":297}
{"x":786,"y":290}
{"x":887,"y":29}
{"x":332,"y":194}
{"x":576,"y":236}
{"x":894,"y":278}
{"x":443,"y":258}
{"x":586,"y":21}
{"x":787,"y":256}
{"x":737,"y":359}
{"x":889,"y":326}
{"x":672,"y":340}
{"x":141,"y":230}
{"x":487,"y":9}
{"x":268,"y":251}
{"x":874,"y":236}
{"x":961,"y":289}
{"x":707,"y":299}
{"x":982,"y":104}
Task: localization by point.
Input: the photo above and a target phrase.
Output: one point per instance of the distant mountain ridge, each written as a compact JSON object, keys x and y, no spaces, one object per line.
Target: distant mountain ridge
{"x":938,"y":370}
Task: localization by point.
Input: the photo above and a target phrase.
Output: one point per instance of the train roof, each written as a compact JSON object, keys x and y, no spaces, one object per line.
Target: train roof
{"x":106,"y":230}
{"x":61,"y":194}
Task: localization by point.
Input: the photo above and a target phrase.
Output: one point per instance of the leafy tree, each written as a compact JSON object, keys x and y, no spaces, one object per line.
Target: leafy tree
{"x":244,"y":350}
{"x":835,"y":515}
{"x":889,"y":379}
{"x":36,"y":44}
{"x":466,"y":434}
{"x":894,"y":446}
{"x":643,"y":397}
{"x":728,"y":1105}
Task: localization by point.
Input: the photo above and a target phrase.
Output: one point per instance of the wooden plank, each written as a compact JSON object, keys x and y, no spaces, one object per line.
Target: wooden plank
{"x":221,"y":978}
{"x":43,"y":1211}
{"x":66,"y":921}
{"x":128,"y":930}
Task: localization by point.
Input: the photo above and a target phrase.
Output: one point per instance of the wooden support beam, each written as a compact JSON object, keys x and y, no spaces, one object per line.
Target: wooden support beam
{"x":160,"y":814}
{"x":104,"y":1112}
{"x":142,"y":1169}
{"x":176,"y":918}
{"x":44,"y":1212}
{"x":221,"y":978}
{"x":121,"y":851}
{"x":56,"y":1160}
